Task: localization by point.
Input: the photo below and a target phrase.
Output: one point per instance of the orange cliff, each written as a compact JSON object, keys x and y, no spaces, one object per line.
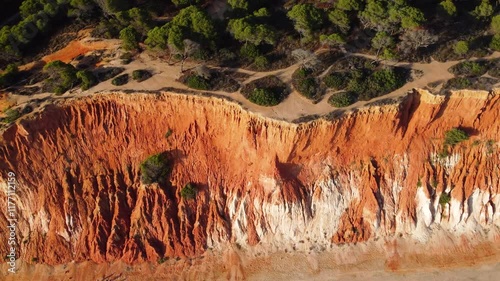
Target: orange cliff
{"x":371,"y":173}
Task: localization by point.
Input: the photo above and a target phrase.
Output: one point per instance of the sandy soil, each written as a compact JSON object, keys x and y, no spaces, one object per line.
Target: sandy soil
{"x":384,"y":260}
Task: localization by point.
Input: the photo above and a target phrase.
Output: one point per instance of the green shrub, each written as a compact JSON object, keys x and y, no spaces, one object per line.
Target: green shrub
{"x":62,"y":76}
{"x":249,"y":51}
{"x":445,"y":198}
{"x":87,"y":79}
{"x":455,"y":136}
{"x":197,"y":82}
{"x":141,"y":75}
{"x":265,"y":91}
{"x":469,"y":68}
{"x":336,"y":80}
{"x":155,"y":168}
{"x":120,"y":80}
{"x":495,"y":42}
{"x":264,"y":97}
{"x":379,"y":83}
{"x":162,"y":260}
{"x":188,"y":191}
{"x":108,"y":73}
{"x":461,"y":48}
{"x":261,"y":63}
{"x":11,"y":115}
{"x":458,"y":83}
{"x":307,"y":87}
{"x":342,"y":99}
{"x":305,"y":83}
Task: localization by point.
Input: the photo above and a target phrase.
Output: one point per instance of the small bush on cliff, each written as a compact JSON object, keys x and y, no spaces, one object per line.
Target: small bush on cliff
{"x":455,"y":136}
{"x":444,"y":198}
{"x":155,"y":168}
{"x":188,"y":191}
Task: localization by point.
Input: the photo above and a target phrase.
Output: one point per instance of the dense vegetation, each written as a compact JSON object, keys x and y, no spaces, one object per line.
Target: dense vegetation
{"x":342,"y":99}
{"x":204,"y":78}
{"x":266,"y":91}
{"x":262,"y":35}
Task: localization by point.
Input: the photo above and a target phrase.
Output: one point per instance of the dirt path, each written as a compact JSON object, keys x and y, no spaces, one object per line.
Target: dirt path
{"x":293,"y":107}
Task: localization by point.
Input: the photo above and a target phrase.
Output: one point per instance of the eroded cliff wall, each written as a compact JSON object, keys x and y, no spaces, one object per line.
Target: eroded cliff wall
{"x":261,"y":183}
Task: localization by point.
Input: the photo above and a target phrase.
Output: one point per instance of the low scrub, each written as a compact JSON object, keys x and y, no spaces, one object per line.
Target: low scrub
{"x":87,"y":79}
{"x":469,"y":68}
{"x":337,"y":80}
{"x":120,"y":80}
{"x":11,"y":115}
{"x":107,"y":73}
{"x":203,"y":78}
{"x":140,"y":75}
{"x":305,"y":83}
{"x":62,"y":77}
{"x":365,"y":78}
{"x":266,"y":91}
{"x":342,"y":99}
{"x":458,"y":83}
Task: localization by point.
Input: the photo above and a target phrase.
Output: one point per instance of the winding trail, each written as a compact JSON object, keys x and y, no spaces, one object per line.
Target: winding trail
{"x":293,"y":107}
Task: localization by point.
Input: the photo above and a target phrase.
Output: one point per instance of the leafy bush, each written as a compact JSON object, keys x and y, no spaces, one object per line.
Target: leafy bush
{"x":266,"y":91}
{"x":62,"y":76}
{"x":87,"y":79}
{"x":337,"y":80}
{"x":342,"y":99}
{"x":455,"y":136}
{"x":155,"y":168}
{"x":457,"y":83}
{"x":129,"y":38}
{"x":188,"y":191}
{"x":495,"y":42}
{"x":445,"y":198}
{"x":261,"y":63}
{"x":11,"y":115}
{"x":469,"y":68}
{"x":264,"y":97}
{"x":141,"y":75}
{"x":108,"y":73}
{"x":249,"y":51}
{"x":305,"y":83}
{"x":197,"y":82}
{"x":120,"y":80}
{"x":379,"y":83}
{"x":461,"y":48}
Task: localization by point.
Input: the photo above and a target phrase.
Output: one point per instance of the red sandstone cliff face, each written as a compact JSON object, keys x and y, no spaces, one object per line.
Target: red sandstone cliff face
{"x":367,"y":174}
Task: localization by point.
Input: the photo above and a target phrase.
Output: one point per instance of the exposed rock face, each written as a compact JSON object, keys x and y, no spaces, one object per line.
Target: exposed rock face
{"x":375,"y":172}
